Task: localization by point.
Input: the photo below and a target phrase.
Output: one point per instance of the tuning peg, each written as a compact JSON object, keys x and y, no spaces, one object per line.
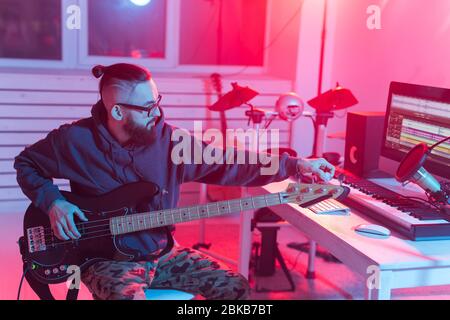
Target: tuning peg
{"x":333,"y":191}
{"x":293,"y":187}
{"x":306,"y":190}
{"x":320,"y":190}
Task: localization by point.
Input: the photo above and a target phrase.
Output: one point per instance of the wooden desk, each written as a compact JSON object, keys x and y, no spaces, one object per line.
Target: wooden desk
{"x":385,"y":263}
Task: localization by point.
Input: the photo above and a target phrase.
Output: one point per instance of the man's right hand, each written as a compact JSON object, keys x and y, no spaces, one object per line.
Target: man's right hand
{"x":61,"y":219}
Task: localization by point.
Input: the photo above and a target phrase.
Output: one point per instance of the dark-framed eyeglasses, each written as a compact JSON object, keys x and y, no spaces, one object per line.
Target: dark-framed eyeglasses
{"x":149,"y":108}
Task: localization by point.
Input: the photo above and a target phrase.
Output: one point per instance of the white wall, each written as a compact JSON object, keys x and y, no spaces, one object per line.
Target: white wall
{"x":412,"y":46}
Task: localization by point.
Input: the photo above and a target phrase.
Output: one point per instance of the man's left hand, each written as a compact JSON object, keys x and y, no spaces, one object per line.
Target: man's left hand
{"x":320,"y":168}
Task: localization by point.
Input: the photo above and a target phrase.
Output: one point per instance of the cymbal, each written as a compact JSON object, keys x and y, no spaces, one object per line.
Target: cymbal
{"x":235,"y":98}
{"x":334,"y":99}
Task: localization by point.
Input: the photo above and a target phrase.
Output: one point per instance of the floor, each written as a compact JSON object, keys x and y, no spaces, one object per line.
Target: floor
{"x":333,"y":279}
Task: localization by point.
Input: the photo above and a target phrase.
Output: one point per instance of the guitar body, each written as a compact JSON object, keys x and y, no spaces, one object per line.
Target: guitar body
{"x":48,"y":258}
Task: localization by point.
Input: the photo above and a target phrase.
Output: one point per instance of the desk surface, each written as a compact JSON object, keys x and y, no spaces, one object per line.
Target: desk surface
{"x":337,"y":234}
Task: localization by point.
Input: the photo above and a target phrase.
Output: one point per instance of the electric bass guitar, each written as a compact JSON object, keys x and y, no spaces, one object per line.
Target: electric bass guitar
{"x":113,"y":215}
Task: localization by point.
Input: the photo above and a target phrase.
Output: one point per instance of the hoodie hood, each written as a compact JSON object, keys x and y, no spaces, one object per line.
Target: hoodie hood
{"x":113,"y":152}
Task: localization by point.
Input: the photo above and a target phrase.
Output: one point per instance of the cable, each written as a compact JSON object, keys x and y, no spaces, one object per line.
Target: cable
{"x":295,"y":262}
{"x":21,"y":282}
{"x":423,"y":200}
{"x":438,"y":143}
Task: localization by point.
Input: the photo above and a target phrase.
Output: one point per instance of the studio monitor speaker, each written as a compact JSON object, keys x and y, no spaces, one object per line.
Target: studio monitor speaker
{"x":363,"y":142}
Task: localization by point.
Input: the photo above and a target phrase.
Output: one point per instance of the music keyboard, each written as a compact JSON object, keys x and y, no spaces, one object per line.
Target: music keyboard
{"x":415,"y":219}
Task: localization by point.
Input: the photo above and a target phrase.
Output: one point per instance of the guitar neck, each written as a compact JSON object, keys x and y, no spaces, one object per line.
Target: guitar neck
{"x":149,"y":220}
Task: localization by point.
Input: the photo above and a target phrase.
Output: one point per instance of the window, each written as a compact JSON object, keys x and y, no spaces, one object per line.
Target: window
{"x":118,"y":30}
{"x":221,"y":32}
{"x":164,"y":35}
{"x":30,"y":29}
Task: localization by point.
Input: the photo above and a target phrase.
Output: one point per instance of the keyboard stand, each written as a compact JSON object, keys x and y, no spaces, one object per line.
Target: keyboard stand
{"x":269,"y":237}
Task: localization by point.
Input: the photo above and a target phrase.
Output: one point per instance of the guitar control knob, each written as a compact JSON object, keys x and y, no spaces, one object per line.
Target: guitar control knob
{"x":62,"y":267}
{"x":55,"y":270}
{"x":306,"y":190}
{"x":47,"y":272}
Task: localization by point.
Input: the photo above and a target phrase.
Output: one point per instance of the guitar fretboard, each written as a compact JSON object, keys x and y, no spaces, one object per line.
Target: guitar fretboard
{"x":155,"y":219}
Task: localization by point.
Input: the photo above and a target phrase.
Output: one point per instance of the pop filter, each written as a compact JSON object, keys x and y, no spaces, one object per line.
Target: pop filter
{"x":411,"y":169}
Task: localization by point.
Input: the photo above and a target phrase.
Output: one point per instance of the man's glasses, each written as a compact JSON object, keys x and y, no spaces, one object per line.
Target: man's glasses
{"x":149,"y":108}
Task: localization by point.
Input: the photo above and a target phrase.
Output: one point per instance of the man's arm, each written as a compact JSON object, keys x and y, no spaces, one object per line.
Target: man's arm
{"x":247,"y":174}
{"x":36,"y":167}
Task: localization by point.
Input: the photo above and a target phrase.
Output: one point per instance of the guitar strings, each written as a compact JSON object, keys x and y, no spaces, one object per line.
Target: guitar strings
{"x":105,"y":232}
{"x":65,"y":242}
{"x":82,"y":225}
{"x":156,"y":212}
{"x":102,"y":233}
{"x":106,"y":229}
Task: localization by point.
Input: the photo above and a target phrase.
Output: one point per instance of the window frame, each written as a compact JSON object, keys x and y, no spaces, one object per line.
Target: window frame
{"x":171,"y":49}
{"x":75,"y":48}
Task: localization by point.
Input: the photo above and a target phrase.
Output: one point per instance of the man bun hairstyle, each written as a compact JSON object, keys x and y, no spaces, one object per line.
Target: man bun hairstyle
{"x":98,"y":71}
{"x":120,"y":72}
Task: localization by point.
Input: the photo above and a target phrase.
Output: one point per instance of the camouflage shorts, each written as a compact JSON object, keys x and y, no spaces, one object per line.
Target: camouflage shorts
{"x":182,"y":269}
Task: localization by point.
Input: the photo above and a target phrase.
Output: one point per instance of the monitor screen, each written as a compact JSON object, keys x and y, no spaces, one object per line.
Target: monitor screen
{"x":418,"y":114}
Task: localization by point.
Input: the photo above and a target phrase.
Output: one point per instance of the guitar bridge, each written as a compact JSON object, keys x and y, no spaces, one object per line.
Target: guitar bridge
{"x":36,"y":239}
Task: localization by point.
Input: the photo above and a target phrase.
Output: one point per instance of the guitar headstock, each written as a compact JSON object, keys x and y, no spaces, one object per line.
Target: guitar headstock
{"x":306,"y":194}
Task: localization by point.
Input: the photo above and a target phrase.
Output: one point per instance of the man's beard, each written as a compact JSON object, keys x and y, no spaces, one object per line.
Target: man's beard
{"x":140,"y":135}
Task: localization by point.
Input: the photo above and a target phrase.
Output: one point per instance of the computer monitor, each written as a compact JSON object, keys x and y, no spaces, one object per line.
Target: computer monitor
{"x":415,"y":114}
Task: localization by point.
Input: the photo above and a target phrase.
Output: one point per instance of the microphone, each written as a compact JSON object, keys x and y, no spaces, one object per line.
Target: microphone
{"x":411,"y":169}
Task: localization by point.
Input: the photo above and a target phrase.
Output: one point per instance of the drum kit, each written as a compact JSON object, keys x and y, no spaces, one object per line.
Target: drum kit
{"x":289,"y":107}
